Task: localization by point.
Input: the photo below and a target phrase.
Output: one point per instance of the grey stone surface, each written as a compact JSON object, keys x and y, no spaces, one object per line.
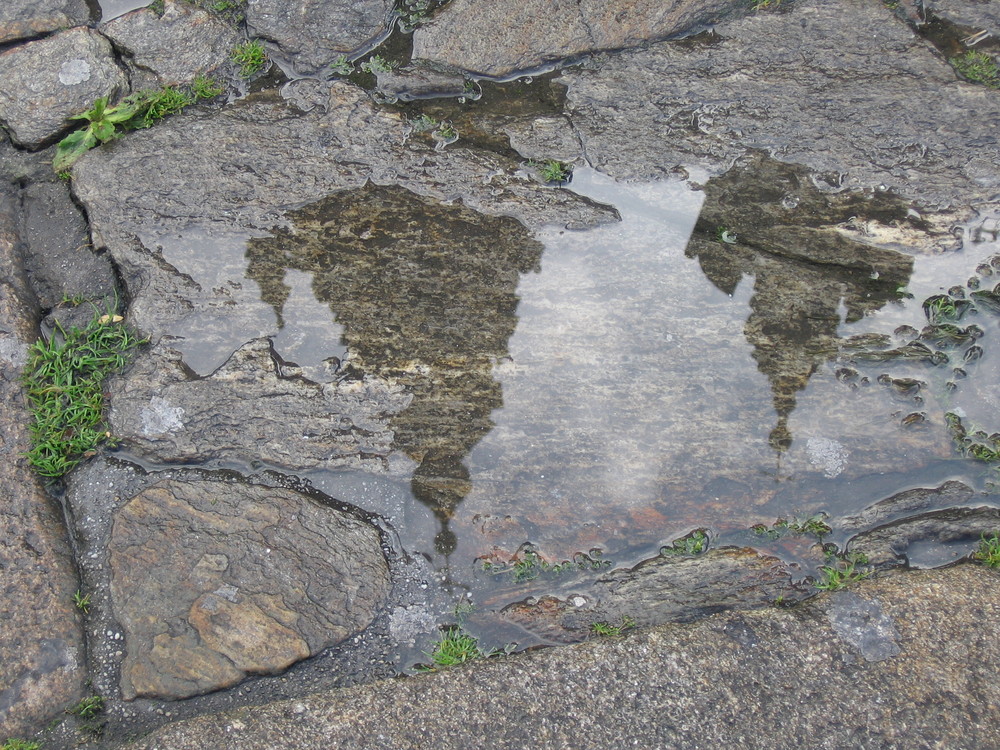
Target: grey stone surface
{"x":774,"y":678}
{"x":847,"y":113}
{"x":183,"y":42}
{"x":42,"y":659}
{"x":908,"y":503}
{"x":508,"y":36}
{"x":58,"y":257}
{"x":975,"y":14}
{"x":311,"y":34}
{"x":165,"y":415}
{"x":23,"y":19}
{"x":666,"y":589}
{"x":42,"y":83}
{"x":215,"y":580}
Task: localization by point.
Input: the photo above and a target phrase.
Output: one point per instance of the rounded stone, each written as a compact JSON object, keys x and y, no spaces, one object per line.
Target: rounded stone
{"x":212,"y":581}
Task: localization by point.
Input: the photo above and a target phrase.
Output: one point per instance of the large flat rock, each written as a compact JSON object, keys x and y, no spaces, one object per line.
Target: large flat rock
{"x":809,"y":88}
{"x":875,"y":666}
{"x":42,"y":665}
{"x":43,"y":83}
{"x":212,"y":581}
{"x":505,"y":37}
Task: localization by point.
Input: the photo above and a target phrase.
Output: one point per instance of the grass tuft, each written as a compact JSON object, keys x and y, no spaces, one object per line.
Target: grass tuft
{"x":63,"y":381}
{"x":250,"y":57}
{"x":988,"y":552}
{"x":978,"y":67}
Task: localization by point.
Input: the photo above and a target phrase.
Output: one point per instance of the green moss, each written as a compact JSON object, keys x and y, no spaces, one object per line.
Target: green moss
{"x":978,"y":67}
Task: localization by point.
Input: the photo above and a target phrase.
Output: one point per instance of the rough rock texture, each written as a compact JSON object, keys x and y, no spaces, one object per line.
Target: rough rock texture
{"x":908,"y":503}
{"x":806,"y":87}
{"x":167,"y":416}
{"x":505,"y":37}
{"x":58,"y":257}
{"x":22,"y":19}
{"x":174,"y":48}
{"x":44,"y":82}
{"x":41,"y":648}
{"x":975,"y":14}
{"x":775,"y":678}
{"x":312,"y":34}
{"x":900,"y":542}
{"x":666,"y":589}
{"x":212,"y":581}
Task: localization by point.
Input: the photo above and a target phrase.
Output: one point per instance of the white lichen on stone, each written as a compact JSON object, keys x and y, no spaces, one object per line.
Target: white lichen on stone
{"x":828,"y":455}
{"x":160,"y":417}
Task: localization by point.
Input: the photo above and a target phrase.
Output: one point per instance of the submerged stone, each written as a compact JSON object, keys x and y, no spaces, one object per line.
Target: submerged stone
{"x":212,"y":581}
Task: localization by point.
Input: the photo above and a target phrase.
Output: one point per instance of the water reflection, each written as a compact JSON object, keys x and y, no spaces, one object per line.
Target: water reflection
{"x":424,"y":293}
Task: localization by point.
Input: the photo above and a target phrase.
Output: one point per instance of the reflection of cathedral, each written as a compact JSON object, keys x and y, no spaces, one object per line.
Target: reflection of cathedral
{"x":806,"y":274}
{"x":426,"y":295}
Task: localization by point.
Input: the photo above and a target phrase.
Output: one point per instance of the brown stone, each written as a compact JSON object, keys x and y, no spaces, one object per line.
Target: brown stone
{"x":212,"y":581}
{"x":41,"y":640}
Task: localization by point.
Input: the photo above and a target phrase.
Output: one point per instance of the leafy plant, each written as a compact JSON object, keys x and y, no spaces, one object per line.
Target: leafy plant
{"x":814,"y":525}
{"x":249,"y":56}
{"x":82,"y":601}
{"x":341,"y":66}
{"x":978,"y":67}
{"x":423,"y":123}
{"x":988,"y":552}
{"x":693,"y":544}
{"x":842,"y":571}
{"x":63,"y":381}
{"x":552,"y":170}
{"x":606,"y":629}
{"x":377,"y":64}
{"x":88,"y":708}
{"x":136,"y":111}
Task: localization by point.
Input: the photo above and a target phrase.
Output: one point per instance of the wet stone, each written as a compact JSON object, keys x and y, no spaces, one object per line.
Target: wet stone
{"x":908,"y":503}
{"x":420,"y":82}
{"x":972,"y":14}
{"x":750,"y":90}
{"x":666,"y":589}
{"x":311,"y":35}
{"x":58,"y":256}
{"x":863,"y":624}
{"x":23,"y":19}
{"x":42,"y":83}
{"x":174,"y":47}
{"x":509,"y":36}
{"x":42,"y":666}
{"x":212,"y":581}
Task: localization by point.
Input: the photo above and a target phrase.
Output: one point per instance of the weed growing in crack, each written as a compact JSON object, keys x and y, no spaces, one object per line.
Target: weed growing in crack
{"x":250,"y":56}
{"x":63,"y":381}
{"x":843,"y":570}
{"x":978,"y":67}
{"x":553,"y":171}
{"x":608,"y":630}
{"x":82,"y":601}
{"x":988,"y":552}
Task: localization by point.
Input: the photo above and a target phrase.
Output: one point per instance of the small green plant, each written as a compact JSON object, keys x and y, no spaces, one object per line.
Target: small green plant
{"x":63,"y":381}
{"x":206,"y":87}
{"x":693,"y":544}
{"x":250,"y":56}
{"x":158,"y":7}
{"x":423,"y":124}
{"x":222,"y":6}
{"x":455,"y":647}
{"x":341,"y":66}
{"x":163,"y":103}
{"x":377,"y":64}
{"x":606,"y":629}
{"x":978,"y":67}
{"x":15,"y":744}
{"x":814,"y":525}
{"x":988,"y":552}
{"x":82,"y":601}
{"x":527,"y":564}
{"x":842,"y":570}
{"x":88,"y":708}
{"x":552,"y":170}
{"x":763,"y":4}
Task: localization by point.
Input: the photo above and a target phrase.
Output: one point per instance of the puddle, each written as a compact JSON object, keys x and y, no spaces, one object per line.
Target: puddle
{"x":113,"y":8}
{"x":601,"y":393}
